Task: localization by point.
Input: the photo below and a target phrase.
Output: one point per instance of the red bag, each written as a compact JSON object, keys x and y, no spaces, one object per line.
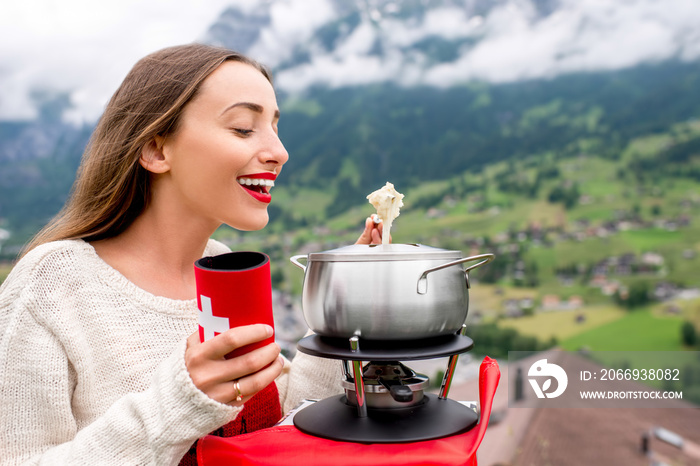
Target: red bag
{"x":285,"y":445}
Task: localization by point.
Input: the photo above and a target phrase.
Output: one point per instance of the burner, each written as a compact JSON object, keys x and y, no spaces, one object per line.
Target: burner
{"x":388,"y":385}
{"x":384,"y":401}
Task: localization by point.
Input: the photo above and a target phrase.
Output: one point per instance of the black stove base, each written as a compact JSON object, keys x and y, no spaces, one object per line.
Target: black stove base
{"x":334,"y":419}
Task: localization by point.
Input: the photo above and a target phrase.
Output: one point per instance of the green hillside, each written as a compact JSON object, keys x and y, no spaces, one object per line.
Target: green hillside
{"x":546,"y":245}
{"x":613,"y":211}
{"x":345,"y":142}
{"x":584,"y":186}
{"x":356,"y":138}
{"x":626,"y":233}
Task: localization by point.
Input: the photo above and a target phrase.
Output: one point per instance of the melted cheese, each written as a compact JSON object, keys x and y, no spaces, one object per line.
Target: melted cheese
{"x":387,"y":201}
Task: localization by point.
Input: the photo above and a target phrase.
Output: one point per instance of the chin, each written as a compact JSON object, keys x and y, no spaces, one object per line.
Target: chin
{"x":252,"y":223}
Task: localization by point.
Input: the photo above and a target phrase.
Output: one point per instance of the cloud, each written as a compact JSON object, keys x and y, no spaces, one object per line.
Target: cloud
{"x":337,"y":72}
{"x":85,"y":48}
{"x":291,"y":22}
{"x":583,"y":35}
{"x":512,"y":42}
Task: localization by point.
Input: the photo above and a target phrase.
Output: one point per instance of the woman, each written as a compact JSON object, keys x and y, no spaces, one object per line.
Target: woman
{"x":100,"y":361}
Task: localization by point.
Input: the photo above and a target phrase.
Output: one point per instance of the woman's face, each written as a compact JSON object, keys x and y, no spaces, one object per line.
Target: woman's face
{"x":226,"y":151}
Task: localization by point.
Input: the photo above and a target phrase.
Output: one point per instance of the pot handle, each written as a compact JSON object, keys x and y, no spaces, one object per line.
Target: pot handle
{"x":423,"y":280}
{"x":295,"y":261}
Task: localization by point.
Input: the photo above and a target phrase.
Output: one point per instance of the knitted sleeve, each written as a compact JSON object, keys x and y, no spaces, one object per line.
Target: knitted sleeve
{"x":80,"y":386}
{"x":308,"y":377}
{"x":41,"y":373}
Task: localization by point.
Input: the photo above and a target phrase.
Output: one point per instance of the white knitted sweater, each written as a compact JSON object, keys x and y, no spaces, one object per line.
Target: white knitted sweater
{"x":92,"y":367}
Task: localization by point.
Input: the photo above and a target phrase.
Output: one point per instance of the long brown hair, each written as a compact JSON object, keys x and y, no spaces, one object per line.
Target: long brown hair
{"x":112,"y":188}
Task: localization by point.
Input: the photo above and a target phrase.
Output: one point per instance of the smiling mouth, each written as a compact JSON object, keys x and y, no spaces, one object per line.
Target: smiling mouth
{"x":256,"y":185}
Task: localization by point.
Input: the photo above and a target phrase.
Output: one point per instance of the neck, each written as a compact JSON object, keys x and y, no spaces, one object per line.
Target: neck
{"x":157,"y":252}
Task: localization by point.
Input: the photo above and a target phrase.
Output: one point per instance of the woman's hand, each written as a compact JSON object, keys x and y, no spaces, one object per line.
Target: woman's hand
{"x":372,"y":233}
{"x":223,"y":379}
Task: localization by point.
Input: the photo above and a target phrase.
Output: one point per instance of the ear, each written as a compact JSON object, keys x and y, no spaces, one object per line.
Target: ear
{"x":153,"y":158}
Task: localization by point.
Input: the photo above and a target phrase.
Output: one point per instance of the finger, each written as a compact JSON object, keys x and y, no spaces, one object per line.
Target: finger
{"x":250,"y":385}
{"x":251,"y":362}
{"x":366,"y":236}
{"x":235,"y":338}
{"x":376,"y":237}
{"x":193,"y":340}
{"x":214,"y":377}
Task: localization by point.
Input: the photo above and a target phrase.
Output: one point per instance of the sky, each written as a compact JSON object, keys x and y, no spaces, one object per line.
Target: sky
{"x":64,"y":44}
{"x":85,"y":48}
{"x":514,"y":43}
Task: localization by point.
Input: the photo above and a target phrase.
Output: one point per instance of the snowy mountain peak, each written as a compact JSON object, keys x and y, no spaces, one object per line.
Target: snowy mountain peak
{"x":445,"y":42}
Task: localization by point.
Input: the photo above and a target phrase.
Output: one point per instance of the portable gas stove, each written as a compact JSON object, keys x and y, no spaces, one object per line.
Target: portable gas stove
{"x":386,"y":401}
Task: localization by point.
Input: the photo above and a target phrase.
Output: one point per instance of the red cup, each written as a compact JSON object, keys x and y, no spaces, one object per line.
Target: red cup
{"x":234,"y":289}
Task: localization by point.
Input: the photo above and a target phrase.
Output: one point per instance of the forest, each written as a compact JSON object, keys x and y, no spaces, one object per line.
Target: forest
{"x":348,"y":141}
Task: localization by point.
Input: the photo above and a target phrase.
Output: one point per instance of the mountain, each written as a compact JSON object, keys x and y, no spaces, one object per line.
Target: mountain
{"x":419,"y":90}
{"x":416,"y":90}
{"x":423,"y":133}
{"x":442,"y":43}
{"x":38,"y":160}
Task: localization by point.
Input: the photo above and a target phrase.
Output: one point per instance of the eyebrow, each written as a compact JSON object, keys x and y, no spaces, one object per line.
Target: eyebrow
{"x":257,"y":108}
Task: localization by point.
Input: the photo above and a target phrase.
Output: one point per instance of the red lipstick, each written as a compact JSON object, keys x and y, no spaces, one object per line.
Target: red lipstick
{"x":258,"y":185}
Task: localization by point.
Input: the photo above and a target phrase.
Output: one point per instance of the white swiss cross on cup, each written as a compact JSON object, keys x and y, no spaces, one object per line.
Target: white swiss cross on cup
{"x":210,"y":323}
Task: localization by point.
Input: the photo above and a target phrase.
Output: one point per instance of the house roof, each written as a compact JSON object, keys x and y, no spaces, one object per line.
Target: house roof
{"x":581,"y":436}
{"x":606,"y":437}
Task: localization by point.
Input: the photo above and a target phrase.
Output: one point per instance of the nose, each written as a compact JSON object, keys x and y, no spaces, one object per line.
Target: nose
{"x":275,"y":152}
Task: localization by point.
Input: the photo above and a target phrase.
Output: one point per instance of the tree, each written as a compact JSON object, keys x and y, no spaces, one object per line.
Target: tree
{"x":689,"y":335}
{"x":637,"y":295}
{"x":276,"y":277}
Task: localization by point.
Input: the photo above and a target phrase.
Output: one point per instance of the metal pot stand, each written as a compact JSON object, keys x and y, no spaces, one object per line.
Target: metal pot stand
{"x":432,"y":417}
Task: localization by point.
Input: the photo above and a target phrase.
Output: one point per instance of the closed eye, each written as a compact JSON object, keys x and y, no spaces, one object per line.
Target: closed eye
{"x":242,"y":132}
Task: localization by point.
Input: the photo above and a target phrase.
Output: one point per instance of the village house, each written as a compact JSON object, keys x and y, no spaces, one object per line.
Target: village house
{"x":551,"y":302}
{"x":574,"y":302}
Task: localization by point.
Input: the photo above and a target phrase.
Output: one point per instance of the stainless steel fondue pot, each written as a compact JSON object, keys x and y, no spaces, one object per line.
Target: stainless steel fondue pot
{"x":386,"y":292}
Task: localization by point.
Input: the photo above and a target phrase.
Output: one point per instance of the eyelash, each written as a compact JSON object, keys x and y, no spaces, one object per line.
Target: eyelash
{"x":242,"y":132}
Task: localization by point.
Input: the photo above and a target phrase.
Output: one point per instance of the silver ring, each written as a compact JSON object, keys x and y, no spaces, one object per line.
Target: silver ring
{"x":237,"y":387}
